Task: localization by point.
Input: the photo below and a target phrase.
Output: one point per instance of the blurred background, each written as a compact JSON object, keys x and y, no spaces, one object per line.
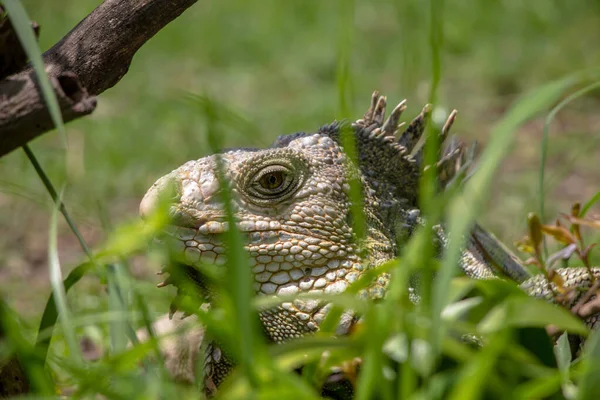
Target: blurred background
{"x":274,"y":68}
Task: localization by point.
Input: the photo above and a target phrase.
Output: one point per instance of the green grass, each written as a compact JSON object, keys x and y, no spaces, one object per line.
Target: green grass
{"x":229,"y":74}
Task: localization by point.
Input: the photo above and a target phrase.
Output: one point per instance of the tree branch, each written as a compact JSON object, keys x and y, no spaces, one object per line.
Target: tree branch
{"x":91,"y":58}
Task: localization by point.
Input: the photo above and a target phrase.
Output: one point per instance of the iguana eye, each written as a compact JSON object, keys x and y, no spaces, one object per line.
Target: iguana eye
{"x":272,"y":181}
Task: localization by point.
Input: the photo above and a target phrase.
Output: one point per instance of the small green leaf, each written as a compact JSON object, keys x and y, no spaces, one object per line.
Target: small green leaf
{"x":562,"y":350}
{"x":458,"y":309}
{"x":524,"y":311}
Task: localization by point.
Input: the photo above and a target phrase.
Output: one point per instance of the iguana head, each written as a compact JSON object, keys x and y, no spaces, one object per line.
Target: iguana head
{"x":291,"y":202}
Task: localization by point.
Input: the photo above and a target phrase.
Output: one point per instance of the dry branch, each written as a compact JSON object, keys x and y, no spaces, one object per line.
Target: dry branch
{"x":23,"y":112}
{"x":91,"y":58}
{"x":12,"y":56}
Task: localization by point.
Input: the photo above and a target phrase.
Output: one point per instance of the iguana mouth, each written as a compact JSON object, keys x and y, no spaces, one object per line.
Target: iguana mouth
{"x":282,"y":262}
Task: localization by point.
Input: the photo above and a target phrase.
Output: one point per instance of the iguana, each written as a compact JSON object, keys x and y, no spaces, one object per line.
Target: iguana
{"x":291,"y":202}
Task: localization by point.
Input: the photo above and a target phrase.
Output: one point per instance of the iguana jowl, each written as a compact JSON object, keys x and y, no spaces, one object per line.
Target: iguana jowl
{"x":291,"y":202}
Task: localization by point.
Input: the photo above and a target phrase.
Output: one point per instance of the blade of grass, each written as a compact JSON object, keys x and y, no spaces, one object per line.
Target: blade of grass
{"x":590,"y":203}
{"x":22,"y":25}
{"x":345,"y":30}
{"x":371,"y":383}
{"x":428,"y":182}
{"x":239,"y":280}
{"x":50,"y":314}
{"x":50,"y":188}
{"x":59,"y":292}
{"x":117,"y":302}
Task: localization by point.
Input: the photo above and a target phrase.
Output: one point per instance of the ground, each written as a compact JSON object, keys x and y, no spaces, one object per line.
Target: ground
{"x":275,"y":66}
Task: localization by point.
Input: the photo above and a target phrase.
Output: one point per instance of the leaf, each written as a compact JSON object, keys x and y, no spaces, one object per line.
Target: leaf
{"x":593,"y":223}
{"x":456,"y":310}
{"x":562,"y":349}
{"x":291,"y":355}
{"x":575,"y":210}
{"x":535,"y":233}
{"x":559,"y":233}
{"x":525,"y":311}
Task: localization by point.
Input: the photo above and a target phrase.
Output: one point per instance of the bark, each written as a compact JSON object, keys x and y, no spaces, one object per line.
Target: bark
{"x":12,"y":57}
{"x":91,"y":58}
{"x":23,"y":112}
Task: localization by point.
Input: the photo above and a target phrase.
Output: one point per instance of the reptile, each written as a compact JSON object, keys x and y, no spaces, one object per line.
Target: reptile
{"x":291,"y":202}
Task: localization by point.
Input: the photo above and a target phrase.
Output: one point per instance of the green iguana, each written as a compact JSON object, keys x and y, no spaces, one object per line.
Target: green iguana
{"x":291,"y":203}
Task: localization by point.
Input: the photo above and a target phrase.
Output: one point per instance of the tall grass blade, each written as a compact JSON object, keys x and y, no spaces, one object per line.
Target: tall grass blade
{"x":50,"y":188}
{"x":59,"y":292}
{"x":589,"y":204}
{"x":117,"y":303}
{"x":22,"y":26}
{"x":239,"y":280}
{"x":50,"y":314}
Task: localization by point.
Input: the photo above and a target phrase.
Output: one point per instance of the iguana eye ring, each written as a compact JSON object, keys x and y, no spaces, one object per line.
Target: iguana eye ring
{"x":273,"y":179}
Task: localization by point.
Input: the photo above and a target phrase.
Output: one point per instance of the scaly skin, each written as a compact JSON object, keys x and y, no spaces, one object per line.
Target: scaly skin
{"x":291,"y":202}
